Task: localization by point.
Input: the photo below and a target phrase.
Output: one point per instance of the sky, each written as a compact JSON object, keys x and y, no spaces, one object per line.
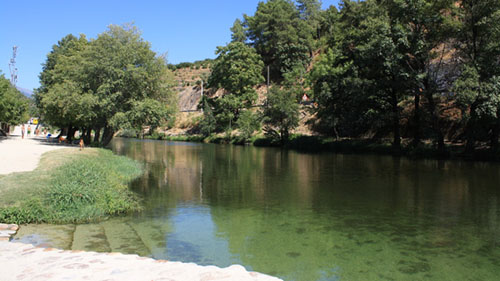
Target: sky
{"x":186,"y":30}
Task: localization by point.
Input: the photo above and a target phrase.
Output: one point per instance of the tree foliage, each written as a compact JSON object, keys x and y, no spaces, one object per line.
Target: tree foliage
{"x":248,"y":123}
{"x":238,"y":32}
{"x":281,"y":113}
{"x":91,"y":84}
{"x":280,"y":35}
{"x":374,"y":68}
{"x":478,"y":37}
{"x":237,"y":69}
{"x":13,"y":104}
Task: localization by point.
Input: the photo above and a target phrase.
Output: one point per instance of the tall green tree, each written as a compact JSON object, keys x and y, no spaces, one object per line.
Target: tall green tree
{"x":96,"y":82}
{"x":310,"y":11}
{"x":378,"y":44}
{"x":281,"y":113}
{"x":342,"y":108}
{"x":13,"y":105}
{"x":426,"y":29}
{"x":238,"y":32}
{"x":237,"y":69}
{"x":280,"y":36}
{"x":478,"y":44}
{"x":63,"y":65}
{"x":68,"y":46}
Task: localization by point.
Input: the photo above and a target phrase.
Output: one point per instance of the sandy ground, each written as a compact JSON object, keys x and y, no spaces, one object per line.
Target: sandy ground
{"x":20,"y":155}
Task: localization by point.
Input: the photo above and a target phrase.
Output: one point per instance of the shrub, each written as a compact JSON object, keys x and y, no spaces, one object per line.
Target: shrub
{"x":248,"y":123}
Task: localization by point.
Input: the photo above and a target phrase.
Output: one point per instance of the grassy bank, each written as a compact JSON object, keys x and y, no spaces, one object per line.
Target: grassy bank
{"x":70,"y":186}
{"x":348,"y":146}
{"x":384,"y":147}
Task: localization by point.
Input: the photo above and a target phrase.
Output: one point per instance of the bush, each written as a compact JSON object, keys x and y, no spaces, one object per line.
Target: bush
{"x":156,"y":136}
{"x":128,"y":133}
{"x":248,"y":123}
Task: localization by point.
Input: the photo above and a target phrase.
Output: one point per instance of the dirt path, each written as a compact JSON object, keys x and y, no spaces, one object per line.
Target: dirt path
{"x":20,"y":155}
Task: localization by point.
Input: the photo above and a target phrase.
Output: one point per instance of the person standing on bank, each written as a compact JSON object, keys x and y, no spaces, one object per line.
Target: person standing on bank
{"x":22,"y":131}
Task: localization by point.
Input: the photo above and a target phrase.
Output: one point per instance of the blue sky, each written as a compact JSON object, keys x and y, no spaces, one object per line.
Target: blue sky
{"x":185,"y":30}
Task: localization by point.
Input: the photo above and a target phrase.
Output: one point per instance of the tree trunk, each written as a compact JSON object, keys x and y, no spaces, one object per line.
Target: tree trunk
{"x":395,"y":122}
{"x":436,"y":125}
{"x":495,"y":132}
{"x":470,"y":130}
{"x":62,"y":132}
{"x":4,"y":129}
{"x":336,"y":132}
{"x":71,"y":133}
{"x":107,"y":136}
{"x":87,"y":136}
{"x":416,"y":134}
{"x":97,"y":135}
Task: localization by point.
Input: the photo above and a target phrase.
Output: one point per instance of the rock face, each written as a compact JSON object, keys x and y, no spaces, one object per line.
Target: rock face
{"x":189,"y":98}
{"x":25,"y":262}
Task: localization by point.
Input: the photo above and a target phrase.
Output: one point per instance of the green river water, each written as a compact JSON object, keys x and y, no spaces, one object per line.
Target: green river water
{"x":301,"y":216}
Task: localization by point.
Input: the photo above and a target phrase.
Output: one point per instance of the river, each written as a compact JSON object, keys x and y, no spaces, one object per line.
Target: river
{"x":303,"y":216}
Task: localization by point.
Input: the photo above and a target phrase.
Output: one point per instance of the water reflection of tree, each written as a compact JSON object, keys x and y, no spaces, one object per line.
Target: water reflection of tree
{"x":319,"y":210}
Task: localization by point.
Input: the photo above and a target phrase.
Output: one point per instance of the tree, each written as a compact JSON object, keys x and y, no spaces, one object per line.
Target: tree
{"x":58,"y":84}
{"x":92,"y":84}
{"x":147,"y":111}
{"x":310,"y":11}
{"x":378,"y":44}
{"x":13,"y":105}
{"x":426,"y":29}
{"x":479,"y":48}
{"x":280,"y":36}
{"x":237,"y":69}
{"x":238,"y":32}
{"x":281,"y":113}
{"x":248,"y":123}
{"x":337,"y":90}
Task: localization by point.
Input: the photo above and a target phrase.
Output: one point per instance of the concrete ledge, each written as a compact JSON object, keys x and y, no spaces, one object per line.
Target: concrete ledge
{"x":26,"y":262}
{"x":7,"y":231}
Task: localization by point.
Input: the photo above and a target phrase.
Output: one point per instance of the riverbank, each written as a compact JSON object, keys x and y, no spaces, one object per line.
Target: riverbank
{"x":61,"y":174}
{"x":306,"y":143}
{"x":68,"y":186}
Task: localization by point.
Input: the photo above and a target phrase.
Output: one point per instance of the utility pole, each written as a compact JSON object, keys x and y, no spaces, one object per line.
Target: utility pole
{"x":267,"y":80}
{"x":203,"y":103}
{"x":12,"y":67}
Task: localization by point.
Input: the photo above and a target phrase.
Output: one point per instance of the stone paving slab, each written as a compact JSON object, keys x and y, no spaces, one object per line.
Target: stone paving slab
{"x":25,"y":262}
{"x":7,"y":231}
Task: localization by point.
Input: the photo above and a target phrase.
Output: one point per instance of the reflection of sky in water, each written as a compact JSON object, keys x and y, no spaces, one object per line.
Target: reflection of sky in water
{"x":34,"y":239}
{"x":194,"y":238}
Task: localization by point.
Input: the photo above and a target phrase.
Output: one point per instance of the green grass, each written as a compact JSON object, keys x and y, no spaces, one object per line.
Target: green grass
{"x":70,"y":186}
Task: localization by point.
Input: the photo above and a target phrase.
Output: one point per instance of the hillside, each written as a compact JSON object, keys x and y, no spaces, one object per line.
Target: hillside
{"x":189,"y":88}
{"x":189,"y":94}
